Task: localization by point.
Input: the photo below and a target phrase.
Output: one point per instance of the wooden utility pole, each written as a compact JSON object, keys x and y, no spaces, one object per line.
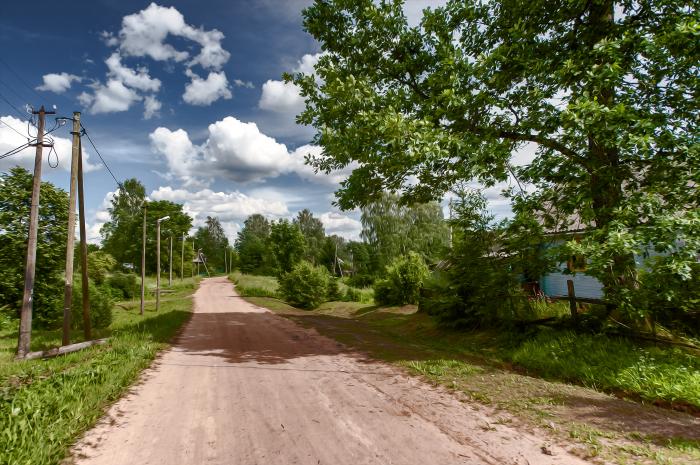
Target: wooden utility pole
{"x":182,"y":260}
{"x":572,"y":300}
{"x":225,"y":262}
{"x":70,"y":244}
{"x":25,"y":322}
{"x":158,"y":260}
{"x":143,"y":257}
{"x":87,"y":327}
{"x":158,"y":269}
{"x":170,"y":278}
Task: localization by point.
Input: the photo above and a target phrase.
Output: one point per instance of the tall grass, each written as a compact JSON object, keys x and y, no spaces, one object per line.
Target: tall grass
{"x":46,"y":404}
{"x":613,"y":364}
{"x":248,"y":285}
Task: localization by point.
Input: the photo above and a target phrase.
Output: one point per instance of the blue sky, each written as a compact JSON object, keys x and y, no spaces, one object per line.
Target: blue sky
{"x":186,"y":96}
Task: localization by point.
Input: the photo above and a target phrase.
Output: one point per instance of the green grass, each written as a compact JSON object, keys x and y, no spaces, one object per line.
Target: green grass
{"x":248,"y":285}
{"x":46,"y":404}
{"x":612,"y":364}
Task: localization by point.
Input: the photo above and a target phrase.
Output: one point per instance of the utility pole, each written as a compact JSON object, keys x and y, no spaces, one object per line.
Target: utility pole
{"x":25,"y":322}
{"x":87,"y":326}
{"x":170,"y":277}
{"x":143,"y":257}
{"x":182,"y":260}
{"x":158,"y":260}
{"x":225,"y":263}
{"x":70,"y":245}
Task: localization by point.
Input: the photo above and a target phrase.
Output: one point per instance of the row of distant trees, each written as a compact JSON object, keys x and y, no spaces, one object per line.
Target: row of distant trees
{"x":389,"y":230}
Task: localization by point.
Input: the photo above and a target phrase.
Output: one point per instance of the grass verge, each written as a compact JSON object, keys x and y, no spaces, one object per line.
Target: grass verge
{"x":46,"y":404}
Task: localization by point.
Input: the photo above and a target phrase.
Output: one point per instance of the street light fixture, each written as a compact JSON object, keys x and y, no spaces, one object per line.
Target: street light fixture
{"x":158,"y":260}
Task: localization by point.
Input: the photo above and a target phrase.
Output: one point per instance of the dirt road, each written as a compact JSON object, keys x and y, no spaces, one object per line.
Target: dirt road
{"x":244,"y":386}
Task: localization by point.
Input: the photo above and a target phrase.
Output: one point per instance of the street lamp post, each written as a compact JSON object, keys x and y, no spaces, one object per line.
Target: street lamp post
{"x":158,"y":260}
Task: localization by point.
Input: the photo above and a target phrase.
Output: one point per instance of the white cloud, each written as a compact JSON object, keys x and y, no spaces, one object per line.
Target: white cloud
{"x":246,"y":84}
{"x":144,"y":34}
{"x":9,"y":140}
{"x":108,"y":98}
{"x":58,"y":82}
{"x":137,"y":79}
{"x":206,"y":91}
{"x":283,"y":97}
{"x":232,"y":208}
{"x":340,"y":224}
{"x":151,"y":106}
{"x":234,"y":150}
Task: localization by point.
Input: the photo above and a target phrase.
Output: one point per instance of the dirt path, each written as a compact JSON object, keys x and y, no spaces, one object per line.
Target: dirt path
{"x":244,"y":386}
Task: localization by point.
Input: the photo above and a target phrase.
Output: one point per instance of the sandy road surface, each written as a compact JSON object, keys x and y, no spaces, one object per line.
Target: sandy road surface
{"x":244,"y":386}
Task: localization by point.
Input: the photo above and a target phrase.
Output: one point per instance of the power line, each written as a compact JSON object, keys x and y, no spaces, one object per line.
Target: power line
{"x":100,"y":155}
{"x":11,"y":90}
{"x":19,"y":112}
{"x":15,"y":150}
{"x":1,"y":121}
{"x":20,"y":78}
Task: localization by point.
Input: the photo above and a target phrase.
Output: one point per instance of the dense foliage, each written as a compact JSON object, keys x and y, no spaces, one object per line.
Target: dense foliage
{"x":121,"y":234}
{"x":213,"y":243}
{"x":306,"y":285}
{"x":605,"y":91}
{"x":402,"y":282}
{"x":15,"y":196}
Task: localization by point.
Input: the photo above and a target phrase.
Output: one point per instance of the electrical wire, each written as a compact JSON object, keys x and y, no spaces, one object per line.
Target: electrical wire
{"x":11,"y":90}
{"x":100,"y":155}
{"x":15,"y":150}
{"x":23,"y":135}
{"x":19,"y":112}
{"x":20,"y":78}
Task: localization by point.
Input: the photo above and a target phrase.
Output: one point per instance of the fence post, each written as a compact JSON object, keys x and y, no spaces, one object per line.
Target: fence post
{"x":572,"y":300}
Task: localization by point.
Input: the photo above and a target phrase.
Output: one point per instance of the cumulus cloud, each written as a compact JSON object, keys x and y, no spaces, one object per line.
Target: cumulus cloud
{"x":234,"y":150}
{"x":151,"y":107}
{"x":342,"y":225}
{"x":144,"y":34}
{"x":9,"y":139}
{"x":58,"y":82}
{"x":204,"y":92}
{"x":283,"y":97}
{"x":136,"y":79}
{"x":107,"y":98}
{"x":232,"y":208}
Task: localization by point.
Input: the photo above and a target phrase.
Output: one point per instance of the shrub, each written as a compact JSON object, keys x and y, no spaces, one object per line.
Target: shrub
{"x":100,"y":306}
{"x":99,"y":265}
{"x":403,"y":282}
{"x":306,"y":286}
{"x":333,"y":291}
{"x":123,"y":285}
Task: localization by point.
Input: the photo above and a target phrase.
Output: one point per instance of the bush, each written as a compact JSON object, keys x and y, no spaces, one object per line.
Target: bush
{"x":100,"y":306}
{"x":333,"y":292}
{"x":123,"y":285}
{"x":306,"y":286}
{"x":403,"y":282}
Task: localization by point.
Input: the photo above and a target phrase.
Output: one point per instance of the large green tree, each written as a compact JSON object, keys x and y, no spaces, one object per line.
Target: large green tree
{"x":312,"y":229}
{"x":605,"y":90}
{"x":392,"y":229}
{"x":15,"y":203}
{"x":212,"y":240}
{"x":252,"y":245}
{"x":178,"y":224}
{"x":287,"y":244}
{"x":124,"y":225}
